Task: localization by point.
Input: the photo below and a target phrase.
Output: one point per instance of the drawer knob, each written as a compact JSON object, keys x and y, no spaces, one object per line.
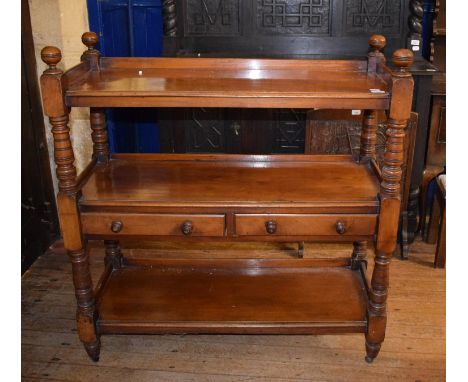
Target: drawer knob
{"x":340,"y":227}
{"x":116,"y":226}
{"x":271,"y":226}
{"x":187,"y":228}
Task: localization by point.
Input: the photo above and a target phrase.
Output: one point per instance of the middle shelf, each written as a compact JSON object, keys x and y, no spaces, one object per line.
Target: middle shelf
{"x":239,"y":197}
{"x":321,"y":182}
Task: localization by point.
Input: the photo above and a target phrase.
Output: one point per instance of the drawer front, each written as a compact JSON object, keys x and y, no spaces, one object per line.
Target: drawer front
{"x":304,"y":225}
{"x":152,"y":224}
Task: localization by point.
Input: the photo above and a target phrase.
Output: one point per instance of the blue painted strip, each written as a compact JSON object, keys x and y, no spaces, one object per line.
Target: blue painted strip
{"x":129,"y":28}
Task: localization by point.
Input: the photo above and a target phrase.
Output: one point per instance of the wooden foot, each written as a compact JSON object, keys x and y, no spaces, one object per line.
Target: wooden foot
{"x":93,"y":349}
{"x":434,"y":221}
{"x":439,"y":260}
{"x":86,"y":310}
{"x":372,"y":350}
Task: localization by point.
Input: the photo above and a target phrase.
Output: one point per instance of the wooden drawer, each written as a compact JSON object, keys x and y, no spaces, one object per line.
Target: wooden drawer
{"x":152,"y":224}
{"x":304,"y":225}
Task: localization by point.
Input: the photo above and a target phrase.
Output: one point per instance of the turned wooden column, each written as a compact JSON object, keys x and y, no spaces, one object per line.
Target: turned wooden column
{"x":390,"y":195}
{"x":369,"y":121}
{"x":97,"y":115}
{"x":366,"y":153}
{"x":368,"y":136}
{"x":63,"y":154}
{"x":57,"y":111}
{"x":369,"y":133}
{"x":113,"y":254}
{"x":100,"y":139}
{"x":97,"y":118}
{"x":359,"y":254}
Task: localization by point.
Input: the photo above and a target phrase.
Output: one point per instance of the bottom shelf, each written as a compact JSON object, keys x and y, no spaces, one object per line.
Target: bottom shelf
{"x":233,"y":296}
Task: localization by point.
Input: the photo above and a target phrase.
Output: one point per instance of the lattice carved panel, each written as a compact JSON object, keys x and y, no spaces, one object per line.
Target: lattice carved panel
{"x":373,"y":16}
{"x":293,"y":16}
{"x":205,"y":131}
{"x":290,"y":131}
{"x":212,"y":17}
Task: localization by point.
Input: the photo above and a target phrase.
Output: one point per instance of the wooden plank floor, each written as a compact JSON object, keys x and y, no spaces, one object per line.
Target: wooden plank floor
{"x":414,"y":349}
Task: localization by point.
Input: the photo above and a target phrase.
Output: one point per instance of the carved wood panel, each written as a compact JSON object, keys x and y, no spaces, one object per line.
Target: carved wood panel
{"x":289,"y":132}
{"x":205,"y":129}
{"x":212,"y":17}
{"x":370,"y":16}
{"x":250,"y":28}
{"x":293,"y":16}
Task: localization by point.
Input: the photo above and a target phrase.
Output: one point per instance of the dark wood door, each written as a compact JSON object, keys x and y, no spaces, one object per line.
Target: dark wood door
{"x":38,"y":211}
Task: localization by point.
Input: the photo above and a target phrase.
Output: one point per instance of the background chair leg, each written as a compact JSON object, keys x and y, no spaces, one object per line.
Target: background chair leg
{"x":434,"y":220}
{"x":439,"y":261}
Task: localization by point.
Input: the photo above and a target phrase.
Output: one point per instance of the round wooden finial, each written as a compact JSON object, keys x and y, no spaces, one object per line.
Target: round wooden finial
{"x":51,"y":55}
{"x":377,"y":42}
{"x":90,"y":39}
{"x":402,"y":58}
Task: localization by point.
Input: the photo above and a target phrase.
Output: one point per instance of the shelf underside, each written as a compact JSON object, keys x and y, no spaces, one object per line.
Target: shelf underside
{"x":248,"y":296}
{"x":192,"y":181}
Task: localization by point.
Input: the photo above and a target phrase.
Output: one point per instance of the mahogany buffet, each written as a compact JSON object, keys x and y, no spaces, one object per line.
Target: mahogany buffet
{"x":196,"y":197}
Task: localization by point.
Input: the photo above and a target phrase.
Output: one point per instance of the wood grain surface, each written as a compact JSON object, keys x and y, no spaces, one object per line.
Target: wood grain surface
{"x":217,"y":82}
{"x":414,"y":347}
{"x":264,"y":182}
{"x":241,"y":296}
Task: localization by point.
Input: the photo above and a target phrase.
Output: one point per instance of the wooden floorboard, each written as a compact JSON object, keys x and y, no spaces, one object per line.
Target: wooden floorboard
{"x":414,"y":348}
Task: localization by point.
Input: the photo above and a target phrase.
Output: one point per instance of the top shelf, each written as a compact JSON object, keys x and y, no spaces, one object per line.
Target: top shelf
{"x":221,"y":82}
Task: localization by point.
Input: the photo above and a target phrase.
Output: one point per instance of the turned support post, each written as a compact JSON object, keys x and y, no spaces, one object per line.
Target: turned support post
{"x":370,"y":117}
{"x":368,"y":136}
{"x":99,"y":134}
{"x":359,"y":254}
{"x":97,"y":115}
{"x":390,"y":198}
{"x":55,"y":108}
{"x":57,"y":111}
{"x":113,"y":254}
